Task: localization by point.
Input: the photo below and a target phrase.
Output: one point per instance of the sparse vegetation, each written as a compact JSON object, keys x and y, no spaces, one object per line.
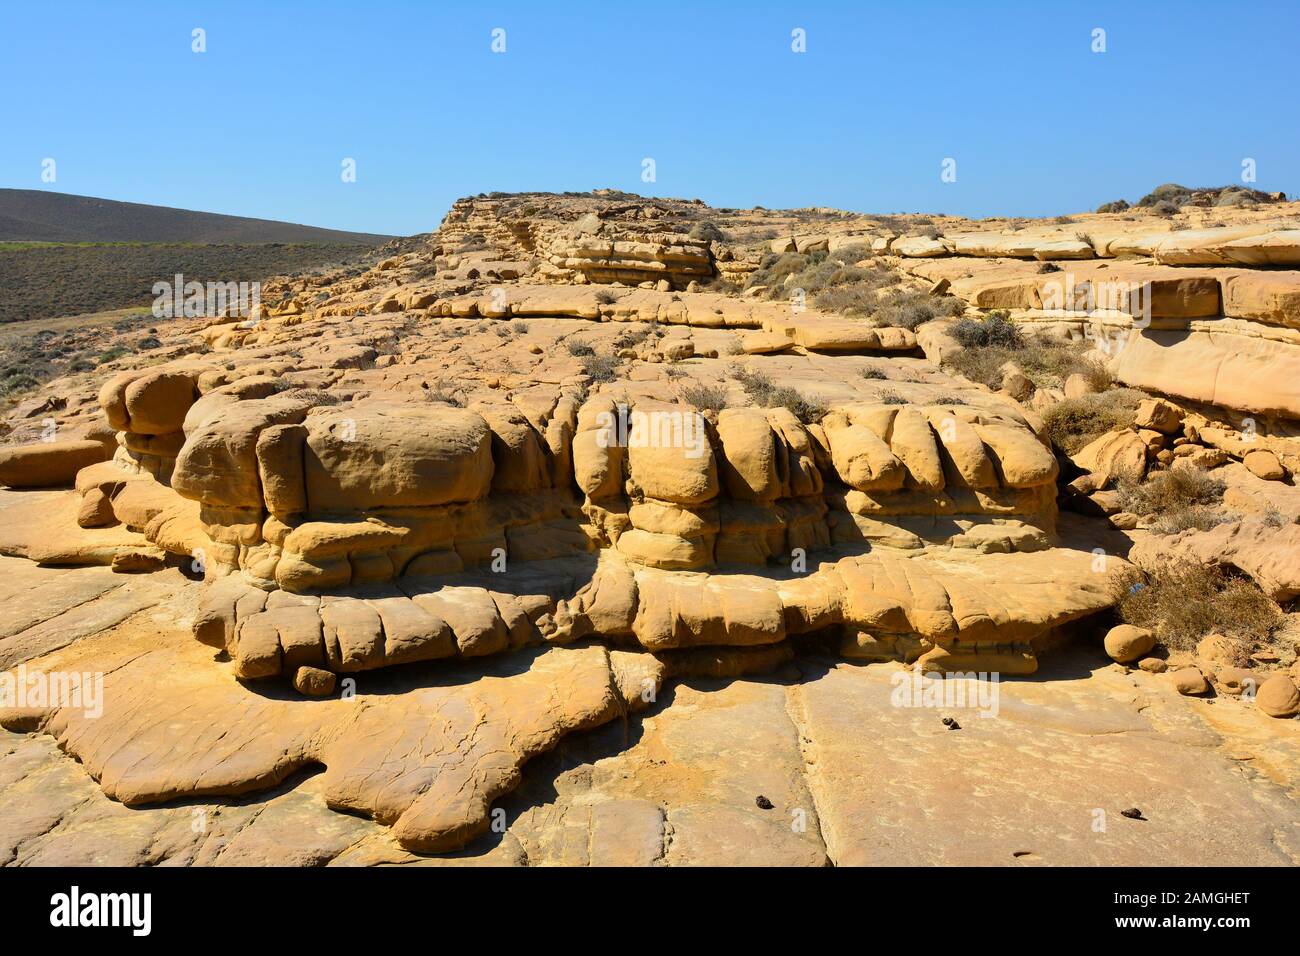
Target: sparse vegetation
{"x":579,"y":348}
{"x":994,"y":330}
{"x":1073,"y":422}
{"x":989,"y":343}
{"x":439,"y":392}
{"x":631,"y":337}
{"x":48,"y":281}
{"x":832,"y":281}
{"x":1185,"y":601}
{"x":707,"y":230}
{"x":911,"y":308}
{"x":605,"y":297}
{"x":707,"y":398}
{"x":600,"y":368}
{"x":768,"y":394}
{"x":1178,"y":499}
{"x":1175,"y":196}
{"x":30,"y":357}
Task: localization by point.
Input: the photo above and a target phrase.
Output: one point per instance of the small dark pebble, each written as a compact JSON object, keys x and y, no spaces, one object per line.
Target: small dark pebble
{"x":763,"y":802}
{"x":1133,"y":813}
{"x":951,"y":724}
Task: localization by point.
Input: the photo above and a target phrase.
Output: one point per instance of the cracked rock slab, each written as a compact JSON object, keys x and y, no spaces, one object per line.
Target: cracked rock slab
{"x":427,"y":760}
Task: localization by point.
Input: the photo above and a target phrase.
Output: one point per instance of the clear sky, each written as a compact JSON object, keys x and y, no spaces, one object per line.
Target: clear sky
{"x":260,"y":123}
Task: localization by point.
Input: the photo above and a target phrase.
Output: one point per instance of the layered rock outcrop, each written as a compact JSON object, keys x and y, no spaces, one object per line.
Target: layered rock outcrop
{"x":554,"y":435}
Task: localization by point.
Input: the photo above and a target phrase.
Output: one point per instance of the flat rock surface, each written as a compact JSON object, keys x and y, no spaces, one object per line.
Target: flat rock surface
{"x":850,"y":777}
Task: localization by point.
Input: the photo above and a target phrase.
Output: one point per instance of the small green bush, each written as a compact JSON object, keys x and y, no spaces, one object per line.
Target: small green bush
{"x":112,"y":354}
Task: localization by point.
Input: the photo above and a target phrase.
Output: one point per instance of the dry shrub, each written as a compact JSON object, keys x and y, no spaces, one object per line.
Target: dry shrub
{"x":835,"y":282}
{"x":854,"y":252}
{"x":989,"y":343}
{"x":996,"y":330}
{"x":632,"y":337}
{"x":1184,"y":601}
{"x":1180,"y":499}
{"x":855,"y":299}
{"x":315,"y":396}
{"x":832,"y":280}
{"x":1073,"y":422}
{"x":983,"y":365}
{"x":707,"y":398}
{"x":910,"y":309}
{"x":707,"y":230}
{"x":1191,"y":518}
{"x":440,"y":391}
{"x":600,"y":368}
{"x":773,"y":269}
{"x":768,"y":394}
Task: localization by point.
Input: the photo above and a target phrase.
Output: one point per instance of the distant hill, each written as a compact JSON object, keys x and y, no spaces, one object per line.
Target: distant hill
{"x":37,"y":216}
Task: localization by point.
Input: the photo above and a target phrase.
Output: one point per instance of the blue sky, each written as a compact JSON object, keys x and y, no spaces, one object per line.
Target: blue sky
{"x":260,"y":123}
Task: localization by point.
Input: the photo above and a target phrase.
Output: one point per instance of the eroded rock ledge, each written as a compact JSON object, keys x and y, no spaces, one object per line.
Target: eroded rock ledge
{"x":553,"y":460}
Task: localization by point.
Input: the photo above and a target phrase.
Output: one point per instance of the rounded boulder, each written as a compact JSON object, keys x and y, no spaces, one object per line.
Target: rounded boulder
{"x":1125,"y":643}
{"x":1278,"y":696}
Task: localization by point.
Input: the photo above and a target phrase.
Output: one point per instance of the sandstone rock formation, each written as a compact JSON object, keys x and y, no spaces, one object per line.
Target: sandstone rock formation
{"x":516,"y":481}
